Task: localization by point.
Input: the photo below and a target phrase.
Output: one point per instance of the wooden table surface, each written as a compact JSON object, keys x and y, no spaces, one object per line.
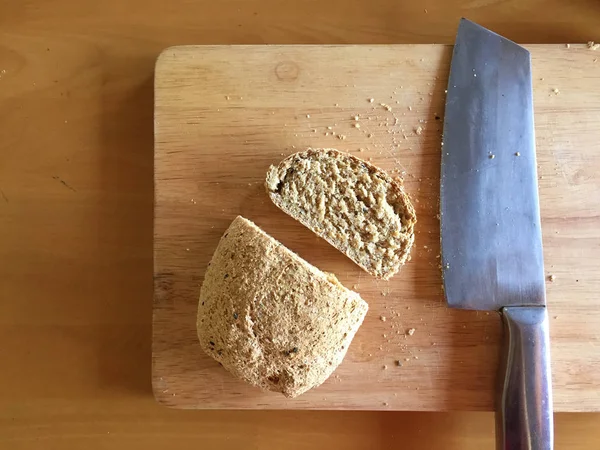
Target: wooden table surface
{"x":76,"y":216}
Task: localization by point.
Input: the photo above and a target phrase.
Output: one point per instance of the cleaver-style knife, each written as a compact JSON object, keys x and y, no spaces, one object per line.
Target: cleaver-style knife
{"x":490,"y":222}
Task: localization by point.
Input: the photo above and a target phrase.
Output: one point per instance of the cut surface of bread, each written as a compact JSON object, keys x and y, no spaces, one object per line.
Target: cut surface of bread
{"x":269,"y":317}
{"x":355,"y":206}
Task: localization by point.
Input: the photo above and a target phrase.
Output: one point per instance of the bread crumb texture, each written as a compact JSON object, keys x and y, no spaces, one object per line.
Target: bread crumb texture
{"x":355,"y":206}
{"x":269,"y":317}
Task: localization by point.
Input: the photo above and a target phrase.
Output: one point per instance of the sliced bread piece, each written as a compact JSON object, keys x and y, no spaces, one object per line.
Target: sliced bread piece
{"x":355,"y":206}
{"x":269,"y":317}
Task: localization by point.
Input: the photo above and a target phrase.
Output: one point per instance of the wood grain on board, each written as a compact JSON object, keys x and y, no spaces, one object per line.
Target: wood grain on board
{"x":223,"y":114}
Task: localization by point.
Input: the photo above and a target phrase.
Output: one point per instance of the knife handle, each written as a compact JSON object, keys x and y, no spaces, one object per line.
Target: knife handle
{"x":524,"y":421}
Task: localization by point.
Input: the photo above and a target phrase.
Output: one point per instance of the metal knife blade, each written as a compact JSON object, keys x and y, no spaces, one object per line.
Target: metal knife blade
{"x":490,"y":223}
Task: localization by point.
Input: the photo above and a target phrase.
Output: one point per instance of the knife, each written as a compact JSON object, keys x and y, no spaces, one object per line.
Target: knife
{"x":491,"y":236}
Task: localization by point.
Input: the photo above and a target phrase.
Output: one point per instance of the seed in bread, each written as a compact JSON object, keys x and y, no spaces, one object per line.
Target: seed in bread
{"x":269,"y":317}
{"x":355,"y":206}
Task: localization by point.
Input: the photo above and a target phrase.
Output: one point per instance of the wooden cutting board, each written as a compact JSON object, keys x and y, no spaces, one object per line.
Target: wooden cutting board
{"x":223,"y":114}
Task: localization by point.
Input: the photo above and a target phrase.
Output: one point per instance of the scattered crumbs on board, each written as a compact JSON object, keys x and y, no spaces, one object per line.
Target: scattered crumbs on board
{"x":593,"y":45}
{"x":552,"y":278}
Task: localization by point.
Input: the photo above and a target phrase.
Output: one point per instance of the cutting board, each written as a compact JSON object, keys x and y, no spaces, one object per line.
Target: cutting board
{"x":223,"y":114}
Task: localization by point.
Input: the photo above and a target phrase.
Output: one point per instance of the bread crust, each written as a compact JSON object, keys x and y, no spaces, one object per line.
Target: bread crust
{"x":380,"y":252}
{"x":269,"y":317}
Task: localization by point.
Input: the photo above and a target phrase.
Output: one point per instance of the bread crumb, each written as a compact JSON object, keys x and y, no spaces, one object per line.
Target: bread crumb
{"x":568,"y":45}
{"x":341,"y":136}
{"x":385,"y":403}
{"x":518,"y":154}
{"x":355,"y":117}
{"x":556,"y":91}
{"x":398,"y":363}
{"x":416,"y":357}
{"x":556,"y":317}
{"x":383,"y":318}
{"x":551,"y":277}
{"x":356,"y":125}
{"x":593,"y":45}
{"x":370,"y":135}
{"x":419,"y":130}
{"x":371,"y":100}
{"x":308,"y":116}
{"x":411,"y":331}
{"x":410,"y":108}
{"x":384,"y":367}
{"x":492,"y":156}
{"x":355,"y":286}
{"x":384,"y":294}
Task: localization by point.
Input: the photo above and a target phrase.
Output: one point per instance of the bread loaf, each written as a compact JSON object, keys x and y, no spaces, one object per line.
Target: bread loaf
{"x":269,"y":317}
{"x":355,"y":206}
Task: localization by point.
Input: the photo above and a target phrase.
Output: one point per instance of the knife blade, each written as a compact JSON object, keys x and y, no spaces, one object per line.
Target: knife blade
{"x":491,"y":239}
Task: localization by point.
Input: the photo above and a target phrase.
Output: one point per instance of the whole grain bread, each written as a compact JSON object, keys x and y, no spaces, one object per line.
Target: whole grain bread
{"x":355,"y":206}
{"x":269,"y":317}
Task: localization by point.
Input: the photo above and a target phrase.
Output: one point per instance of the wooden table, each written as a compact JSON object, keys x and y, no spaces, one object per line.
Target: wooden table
{"x":76,"y":216}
